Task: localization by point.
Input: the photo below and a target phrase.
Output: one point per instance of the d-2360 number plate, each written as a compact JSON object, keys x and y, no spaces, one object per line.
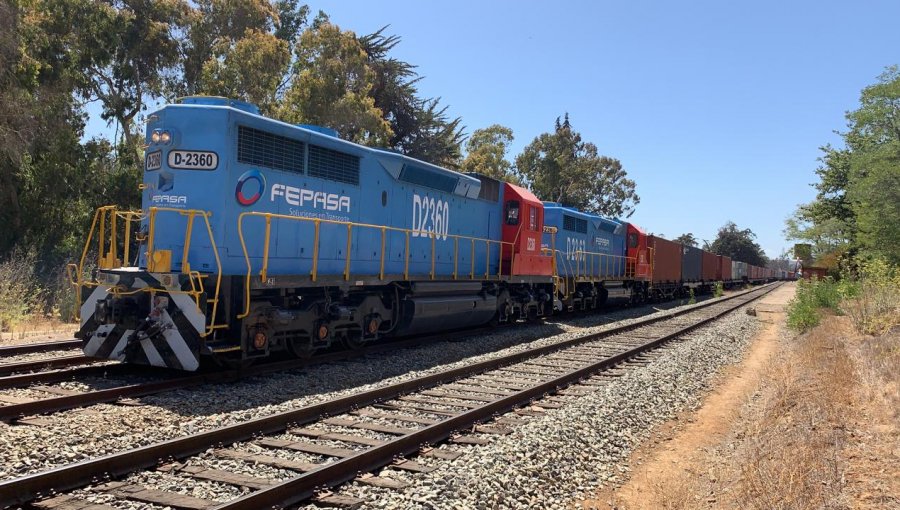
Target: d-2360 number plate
{"x":193,"y":160}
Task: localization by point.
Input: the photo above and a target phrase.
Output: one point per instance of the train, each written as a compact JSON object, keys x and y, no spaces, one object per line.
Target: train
{"x":256,"y":237}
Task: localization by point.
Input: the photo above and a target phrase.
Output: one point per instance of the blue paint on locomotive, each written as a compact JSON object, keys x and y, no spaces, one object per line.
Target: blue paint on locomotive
{"x":578,"y":232}
{"x":267,"y":166}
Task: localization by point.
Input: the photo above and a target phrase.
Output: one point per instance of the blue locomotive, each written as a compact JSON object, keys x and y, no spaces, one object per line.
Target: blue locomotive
{"x":257,"y":236}
{"x":590,"y":256}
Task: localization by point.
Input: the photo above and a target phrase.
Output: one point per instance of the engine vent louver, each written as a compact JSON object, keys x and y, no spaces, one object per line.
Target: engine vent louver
{"x":261,"y":148}
{"x":574,"y":224}
{"x":333,"y":165}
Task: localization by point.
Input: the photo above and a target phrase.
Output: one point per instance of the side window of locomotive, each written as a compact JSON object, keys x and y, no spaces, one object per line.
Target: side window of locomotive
{"x":512,"y":212}
{"x":632,"y":240}
{"x":532,"y":219}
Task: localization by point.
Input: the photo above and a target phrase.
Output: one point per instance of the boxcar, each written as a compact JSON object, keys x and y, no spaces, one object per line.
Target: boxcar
{"x":723,"y":273}
{"x":710,"y":267}
{"x":691,"y":265}
{"x":666,"y":263}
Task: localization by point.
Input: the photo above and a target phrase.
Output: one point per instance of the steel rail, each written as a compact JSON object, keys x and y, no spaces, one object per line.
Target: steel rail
{"x":61,"y":361}
{"x":331,"y":474}
{"x":29,"y":487}
{"x":62,"y":403}
{"x":65,"y":374}
{"x":12,"y":350}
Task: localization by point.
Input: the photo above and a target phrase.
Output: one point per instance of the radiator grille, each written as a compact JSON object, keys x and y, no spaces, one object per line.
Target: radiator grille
{"x":333,"y":165}
{"x":257,"y":147}
{"x":574,"y":224}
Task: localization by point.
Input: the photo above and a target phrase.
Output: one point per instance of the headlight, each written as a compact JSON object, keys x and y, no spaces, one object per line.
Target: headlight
{"x":155,"y":137}
{"x":165,"y":137}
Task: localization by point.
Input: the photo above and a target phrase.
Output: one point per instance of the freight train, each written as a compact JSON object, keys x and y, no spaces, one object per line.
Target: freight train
{"x":256,"y":236}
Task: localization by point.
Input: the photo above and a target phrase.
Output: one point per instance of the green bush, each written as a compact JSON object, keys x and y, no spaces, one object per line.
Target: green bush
{"x":718,"y":290}
{"x":804,"y":311}
{"x":872,"y":301}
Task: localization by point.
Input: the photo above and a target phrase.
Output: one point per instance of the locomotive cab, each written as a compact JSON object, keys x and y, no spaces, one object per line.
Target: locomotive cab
{"x":523,"y":225}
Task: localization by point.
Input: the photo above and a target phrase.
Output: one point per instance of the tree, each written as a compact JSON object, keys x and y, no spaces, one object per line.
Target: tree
{"x":251,"y":69}
{"x":855,"y":210}
{"x":125,"y":49}
{"x":486,"y":153}
{"x":331,"y":86}
{"x":37,"y":82}
{"x":873,"y":188}
{"x":739,"y":245}
{"x":560,"y":167}
{"x":212,"y":28}
{"x":421,"y":128}
{"x":827,"y":223}
{"x":687,"y":240}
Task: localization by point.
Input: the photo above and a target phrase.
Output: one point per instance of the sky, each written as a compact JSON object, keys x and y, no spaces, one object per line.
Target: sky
{"x":715,"y":108}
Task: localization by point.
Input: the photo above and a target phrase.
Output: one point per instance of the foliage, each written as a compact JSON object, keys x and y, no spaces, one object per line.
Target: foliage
{"x":420,"y":127}
{"x":560,"y":167}
{"x":718,"y":290}
{"x":855,"y":210}
{"x":124,"y":50}
{"x":872,"y":302}
{"x":805,"y":309}
{"x":212,"y":29}
{"x":687,"y":239}
{"x":331,"y":87}
{"x":692,"y":298}
{"x":20,"y":291}
{"x":738,"y":244}
{"x":486,"y":153}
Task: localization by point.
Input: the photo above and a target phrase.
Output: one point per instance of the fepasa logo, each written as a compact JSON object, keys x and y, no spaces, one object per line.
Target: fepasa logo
{"x":250,"y":187}
{"x":306,"y":198}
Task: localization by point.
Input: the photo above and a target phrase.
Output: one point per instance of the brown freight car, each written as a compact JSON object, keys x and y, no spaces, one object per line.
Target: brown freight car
{"x":723,"y":271}
{"x":666,"y":261}
{"x":710,"y":267}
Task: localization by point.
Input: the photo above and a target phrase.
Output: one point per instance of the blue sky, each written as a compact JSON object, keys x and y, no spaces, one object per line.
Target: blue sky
{"x":716,"y":109}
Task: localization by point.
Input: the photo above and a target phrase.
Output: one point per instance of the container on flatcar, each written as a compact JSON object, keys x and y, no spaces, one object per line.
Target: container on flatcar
{"x":710,"y":266}
{"x":691,"y":264}
{"x":666,"y":260}
{"x":586,"y":245}
{"x":723,"y":271}
{"x":738,"y":270}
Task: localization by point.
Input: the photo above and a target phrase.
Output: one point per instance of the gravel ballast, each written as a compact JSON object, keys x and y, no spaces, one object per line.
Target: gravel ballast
{"x":548,"y":462}
{"x":558,"y":459}
{"x":103,"y":429}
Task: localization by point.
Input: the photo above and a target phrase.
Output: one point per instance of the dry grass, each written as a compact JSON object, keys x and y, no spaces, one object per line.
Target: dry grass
{"x":791,"y":457}
{"x":824,"y":433}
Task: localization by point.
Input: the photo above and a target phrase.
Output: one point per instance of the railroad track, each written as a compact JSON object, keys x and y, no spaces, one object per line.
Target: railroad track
{"x":44,"y":399}
{"x":14,"y":350}
{"x":46,"y":364}
{"x":374,"y":428}
{"x":61,"y":399}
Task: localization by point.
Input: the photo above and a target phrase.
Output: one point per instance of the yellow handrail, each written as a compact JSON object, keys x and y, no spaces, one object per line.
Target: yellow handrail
{"x":317,"y":222}
{"x":185,"y":267}
{"x":108,"y":250}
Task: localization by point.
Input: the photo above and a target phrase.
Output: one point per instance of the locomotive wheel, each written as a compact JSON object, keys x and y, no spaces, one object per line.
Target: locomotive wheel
{"x":233,"y":363}
{"x":301,"y":350}
{"x":354,"y":342}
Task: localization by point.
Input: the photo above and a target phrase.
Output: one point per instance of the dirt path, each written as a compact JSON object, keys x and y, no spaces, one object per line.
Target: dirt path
{"x":674,"y":454}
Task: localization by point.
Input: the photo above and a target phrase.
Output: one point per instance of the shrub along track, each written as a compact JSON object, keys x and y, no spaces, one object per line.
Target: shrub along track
{"x":457,"y":399}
